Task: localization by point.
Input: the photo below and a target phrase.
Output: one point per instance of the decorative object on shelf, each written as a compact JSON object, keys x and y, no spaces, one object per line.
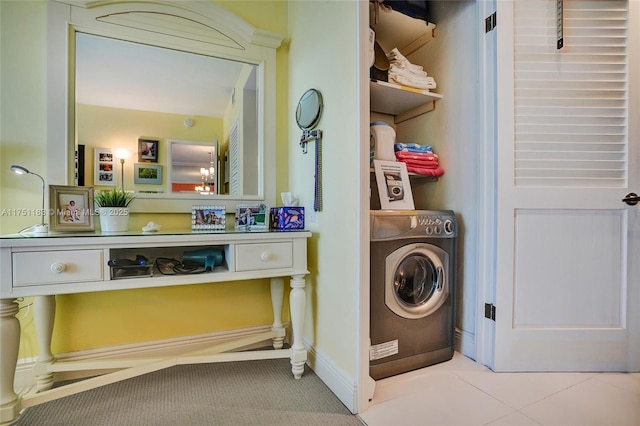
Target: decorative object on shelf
{"x":113,"y":209}
{"x":252,"y":217}
{"x":394,"y":186}
{"x":148,"y":150}
{"x":287,"y":218}
{"x":308,"y":115}
{"x":42,"y":228}
{"x":147,"y":173}
{"x":122,"y":154}
{"x":104,"y":167}
{"x":208,"y":176}
{"x":70,"y":208}
{"x":205,"y":218}
{"x":151,"y":227}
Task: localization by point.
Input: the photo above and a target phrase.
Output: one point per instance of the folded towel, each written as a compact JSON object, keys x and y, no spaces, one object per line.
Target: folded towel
{"x":419,"y":156}
{"x":439,"y":171}
{"x":403,"y":72}
{"x":412,"y":147}
{"x":426,"y":83}
{"x":424,"y":164}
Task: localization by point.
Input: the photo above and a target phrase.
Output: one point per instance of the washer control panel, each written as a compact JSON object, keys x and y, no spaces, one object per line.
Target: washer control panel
{"x":386,"y":225}
{"x":436,"y":225}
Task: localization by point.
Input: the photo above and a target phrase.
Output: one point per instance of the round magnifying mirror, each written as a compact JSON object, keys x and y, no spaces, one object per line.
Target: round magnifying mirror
{"x":309,"y":109}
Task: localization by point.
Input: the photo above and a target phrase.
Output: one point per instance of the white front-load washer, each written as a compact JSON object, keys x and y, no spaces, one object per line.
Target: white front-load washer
{"x":413,"y":266}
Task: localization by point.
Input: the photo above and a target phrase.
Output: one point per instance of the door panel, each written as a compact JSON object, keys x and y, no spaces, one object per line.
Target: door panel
{"x":560,"y":290}
{"x":567,"y":277}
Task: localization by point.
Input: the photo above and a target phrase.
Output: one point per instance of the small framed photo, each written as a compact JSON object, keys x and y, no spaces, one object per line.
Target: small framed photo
{"x":105,"y":167}
{"x":204,"y":218}
{"x":252,"y":217}
{"x":148,"y":150}
{"x":71,"y":208}
{"x":147,"y":173}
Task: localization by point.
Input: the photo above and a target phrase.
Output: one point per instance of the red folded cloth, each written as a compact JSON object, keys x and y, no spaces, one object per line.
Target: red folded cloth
{"x":438,"y":171}
{"x":427,"y":164}
{"x":402,"y":155}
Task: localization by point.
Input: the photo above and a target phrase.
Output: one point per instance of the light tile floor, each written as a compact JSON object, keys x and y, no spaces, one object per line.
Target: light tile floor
{"x":462,"y":392}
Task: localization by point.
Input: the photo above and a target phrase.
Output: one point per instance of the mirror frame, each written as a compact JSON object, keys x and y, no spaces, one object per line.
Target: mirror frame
{"x":218,"y":32}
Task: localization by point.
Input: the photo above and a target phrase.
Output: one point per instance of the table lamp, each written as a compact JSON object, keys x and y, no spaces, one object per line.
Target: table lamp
{"x":42,"y":228}
{"x":122,"y":154}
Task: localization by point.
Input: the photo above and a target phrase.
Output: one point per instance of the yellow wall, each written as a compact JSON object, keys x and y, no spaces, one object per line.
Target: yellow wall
{"x":92,"y":320}
{"x":104,"y":127}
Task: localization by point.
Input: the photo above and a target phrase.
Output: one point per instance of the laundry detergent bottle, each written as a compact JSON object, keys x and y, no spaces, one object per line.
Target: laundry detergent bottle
{"x":383,"y":137}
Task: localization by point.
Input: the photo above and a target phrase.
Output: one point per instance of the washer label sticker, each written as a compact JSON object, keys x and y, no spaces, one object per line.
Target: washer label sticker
{"x":383,"y":350}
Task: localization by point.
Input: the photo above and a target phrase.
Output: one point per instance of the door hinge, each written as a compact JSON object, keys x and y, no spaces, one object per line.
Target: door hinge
{"x":490,"y":311}
{"x":490,"y":22}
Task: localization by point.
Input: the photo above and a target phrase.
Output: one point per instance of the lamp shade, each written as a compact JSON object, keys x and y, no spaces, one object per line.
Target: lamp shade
{"x":19,"y":169}
{"x":42,"y":227}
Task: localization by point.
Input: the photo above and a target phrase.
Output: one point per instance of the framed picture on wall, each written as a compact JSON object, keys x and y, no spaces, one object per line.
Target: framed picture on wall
{"x":70,"y":208}
{"x":148,"y":150}
{"x":147,"y":173}
{"x":104,"y":167}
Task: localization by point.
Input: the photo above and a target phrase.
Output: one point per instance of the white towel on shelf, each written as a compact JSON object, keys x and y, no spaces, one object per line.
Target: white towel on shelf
{"x":403,"y":72}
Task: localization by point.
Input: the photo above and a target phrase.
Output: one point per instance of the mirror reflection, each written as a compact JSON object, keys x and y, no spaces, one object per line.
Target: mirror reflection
{"x":202,"y":110}
{"x":195,"y":167}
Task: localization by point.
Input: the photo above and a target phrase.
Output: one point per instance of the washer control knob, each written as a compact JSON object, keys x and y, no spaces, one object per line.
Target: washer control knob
{"x":448,"y":226}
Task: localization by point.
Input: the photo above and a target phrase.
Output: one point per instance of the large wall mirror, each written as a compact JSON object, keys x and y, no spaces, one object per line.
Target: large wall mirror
{"x":193,"y":78}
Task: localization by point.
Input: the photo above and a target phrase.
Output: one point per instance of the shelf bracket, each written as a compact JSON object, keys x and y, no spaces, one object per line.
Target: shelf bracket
{"x":408,"y":115}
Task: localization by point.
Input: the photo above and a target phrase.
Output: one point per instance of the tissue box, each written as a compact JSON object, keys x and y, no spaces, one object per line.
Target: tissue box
{"x":287,"y":218}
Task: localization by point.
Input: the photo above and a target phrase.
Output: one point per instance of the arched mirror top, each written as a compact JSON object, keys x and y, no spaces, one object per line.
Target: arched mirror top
{"x":198,"y":27}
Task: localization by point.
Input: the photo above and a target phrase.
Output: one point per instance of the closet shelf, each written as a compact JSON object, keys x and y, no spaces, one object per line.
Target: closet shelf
{"x":412,"y":176}
{"x":401,"y":101}
{"x":395,"y":29}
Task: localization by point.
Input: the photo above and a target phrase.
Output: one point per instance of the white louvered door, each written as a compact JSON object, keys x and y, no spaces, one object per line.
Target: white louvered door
{"x":568,"y":249}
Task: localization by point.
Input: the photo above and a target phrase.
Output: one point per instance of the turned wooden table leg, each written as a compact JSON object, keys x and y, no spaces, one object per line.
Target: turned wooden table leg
{"x":44,"y":311}
{"x":297,"y":305}
{"x":277,"y":297}
{"x":10,"y":405}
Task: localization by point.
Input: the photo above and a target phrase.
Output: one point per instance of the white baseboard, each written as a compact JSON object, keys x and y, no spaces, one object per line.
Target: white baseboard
{"x":25,"y":379}
{"x":465,"y":343}
{"x":340,"y":383}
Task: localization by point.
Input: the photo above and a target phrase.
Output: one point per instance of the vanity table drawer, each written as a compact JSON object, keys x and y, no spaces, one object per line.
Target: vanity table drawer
{"x":252,"y":257}
{"x":53,"y":267}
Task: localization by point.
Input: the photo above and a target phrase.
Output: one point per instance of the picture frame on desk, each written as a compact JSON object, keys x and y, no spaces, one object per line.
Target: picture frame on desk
{"x":208,"y":218}
{"x":252,"y":217}
{"x":71,"y":208}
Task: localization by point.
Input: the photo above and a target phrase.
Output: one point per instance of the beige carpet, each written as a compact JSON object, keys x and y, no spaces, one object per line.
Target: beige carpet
{"x":260,"y":392}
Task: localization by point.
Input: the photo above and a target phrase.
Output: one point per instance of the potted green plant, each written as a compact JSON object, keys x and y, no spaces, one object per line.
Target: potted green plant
{"x":113,"y":208}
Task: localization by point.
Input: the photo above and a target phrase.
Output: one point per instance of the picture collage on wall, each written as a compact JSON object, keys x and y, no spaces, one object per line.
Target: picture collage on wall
{"x":105,"y":167}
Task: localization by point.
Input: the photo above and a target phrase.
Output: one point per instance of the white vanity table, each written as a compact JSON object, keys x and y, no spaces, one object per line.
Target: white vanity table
{"x":77,"y":263}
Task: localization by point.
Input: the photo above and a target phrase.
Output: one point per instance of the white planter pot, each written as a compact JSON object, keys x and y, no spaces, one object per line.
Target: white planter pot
{"x":114,"y":219}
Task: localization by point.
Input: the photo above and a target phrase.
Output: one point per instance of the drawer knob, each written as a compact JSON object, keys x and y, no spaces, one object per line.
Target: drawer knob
{"x":58,"y":267}
{"x":265,"y":256}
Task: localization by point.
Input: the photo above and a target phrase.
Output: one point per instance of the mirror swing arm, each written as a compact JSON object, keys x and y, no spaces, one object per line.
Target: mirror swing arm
{"x":218,"y":32}
{"x":308,"y":115}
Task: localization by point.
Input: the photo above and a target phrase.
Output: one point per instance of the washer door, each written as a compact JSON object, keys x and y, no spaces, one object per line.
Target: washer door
{"x":415,"y":280}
